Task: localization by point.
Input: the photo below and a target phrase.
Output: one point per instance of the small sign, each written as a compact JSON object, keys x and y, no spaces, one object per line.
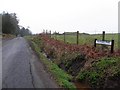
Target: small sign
{"x":103,"y":42}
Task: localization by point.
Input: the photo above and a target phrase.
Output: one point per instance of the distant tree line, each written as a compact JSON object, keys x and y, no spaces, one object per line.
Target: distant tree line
{"x":24,"y":31}
{"x":10,"y":25}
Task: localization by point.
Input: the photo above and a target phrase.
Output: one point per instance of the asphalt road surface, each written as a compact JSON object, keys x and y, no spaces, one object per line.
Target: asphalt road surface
{"x":21,"y":68}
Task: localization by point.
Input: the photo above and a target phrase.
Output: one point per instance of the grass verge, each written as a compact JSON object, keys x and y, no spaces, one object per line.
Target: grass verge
{"x":6,"y":36}
{"x":63,"y":79}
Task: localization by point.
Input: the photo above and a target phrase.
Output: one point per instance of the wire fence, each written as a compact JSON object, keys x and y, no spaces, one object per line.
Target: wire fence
{"x":83,"y":38}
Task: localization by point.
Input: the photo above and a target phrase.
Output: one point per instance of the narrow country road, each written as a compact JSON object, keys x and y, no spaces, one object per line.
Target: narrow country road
{"x":21,"y":68}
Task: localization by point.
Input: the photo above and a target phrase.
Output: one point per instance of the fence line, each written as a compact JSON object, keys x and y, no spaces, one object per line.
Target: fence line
{"x":77,"y":34}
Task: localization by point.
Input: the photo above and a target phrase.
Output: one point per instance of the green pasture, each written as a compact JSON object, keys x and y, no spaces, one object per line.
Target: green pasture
{"x":86,"y":38}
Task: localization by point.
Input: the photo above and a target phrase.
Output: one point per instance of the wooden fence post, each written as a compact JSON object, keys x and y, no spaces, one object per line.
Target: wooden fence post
{"x":103,"y":36}
{"x":112,"y":46}
{"x":64,"y":37}
{"x":50,"y":33}
{"x":77,"y":37}
{"x":46,"y":32}
{"x":55,"y":35}
{"x":103,"y":39}
{"x":95,"y":42}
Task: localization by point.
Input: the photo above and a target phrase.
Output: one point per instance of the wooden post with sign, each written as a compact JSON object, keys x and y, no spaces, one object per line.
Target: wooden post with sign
{"x":112,"y":46}
{"x":95,"y":42}
{"x":108,"y":43}
{"x":103,"y":39}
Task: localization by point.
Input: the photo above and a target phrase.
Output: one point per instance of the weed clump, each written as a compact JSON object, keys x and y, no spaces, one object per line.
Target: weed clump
{"x":102,"y":73}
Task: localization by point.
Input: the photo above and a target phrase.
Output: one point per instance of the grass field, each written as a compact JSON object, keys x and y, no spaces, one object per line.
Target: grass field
{"x":87,"y":39}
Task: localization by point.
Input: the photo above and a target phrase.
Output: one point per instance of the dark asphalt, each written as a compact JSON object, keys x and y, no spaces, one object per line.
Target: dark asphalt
{"x":21,"y":68}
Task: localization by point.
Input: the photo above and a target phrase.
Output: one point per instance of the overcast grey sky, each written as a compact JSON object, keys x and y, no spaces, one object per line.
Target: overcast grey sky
{"x":90,"y":16}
